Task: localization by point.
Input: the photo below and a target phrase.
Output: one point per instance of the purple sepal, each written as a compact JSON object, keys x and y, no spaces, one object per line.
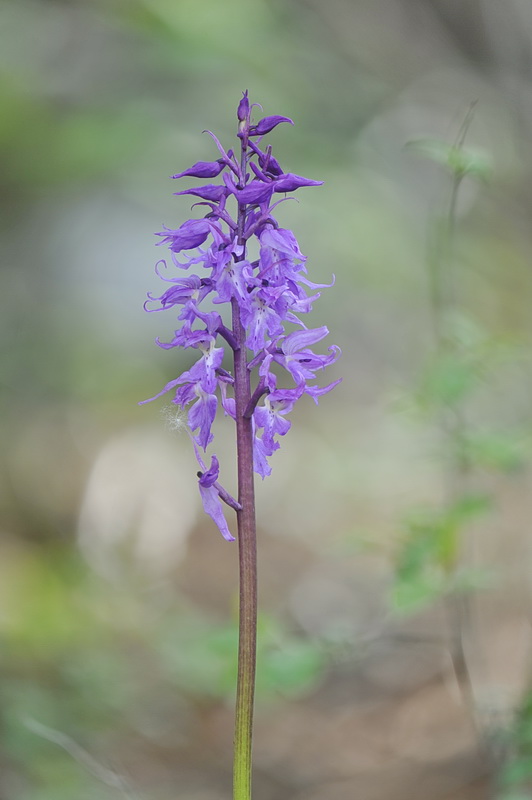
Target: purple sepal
{"x":317,"y":391}
{"x":258,"y":172}
{"x":167,"y":388}
{"x":201,"y":415}
{"x":268,"y":164}
{"x":255,"y":192}
{"x":299,"y":339}
{"x":202,"y":169}
{"x":209,"y":192}
{"x":191,"y":234}
{"x":267,"y":124}
{"x":260,"y":458}
{"x":282,"y":240}
{"x":270,"y":418}
{"x":290,"y":182}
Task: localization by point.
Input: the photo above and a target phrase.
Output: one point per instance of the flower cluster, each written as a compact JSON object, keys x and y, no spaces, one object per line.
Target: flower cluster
{"x":268,"y":294}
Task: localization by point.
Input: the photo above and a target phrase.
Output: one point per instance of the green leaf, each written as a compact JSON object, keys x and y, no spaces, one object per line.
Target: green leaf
{"x":432,"y":149}
{"x":472,"y":579}
{"x":477,"y":164}
{"x":513,"y":795}
{"x":411,"y":595}
{"x":448,"y":381}
{"x":432,"y":535}
{"x":469,"y":506}
{"x":430,"y":550}
{"x":517,"y":771}
{"x":505,"y":452}
{"x":291,"y":669}
{"x":459,"y":161}
{"x":463,"y":330}
{"x":202,"y":659}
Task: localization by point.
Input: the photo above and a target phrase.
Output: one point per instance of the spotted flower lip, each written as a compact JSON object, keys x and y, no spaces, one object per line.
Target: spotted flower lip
{"x":270,"y":295}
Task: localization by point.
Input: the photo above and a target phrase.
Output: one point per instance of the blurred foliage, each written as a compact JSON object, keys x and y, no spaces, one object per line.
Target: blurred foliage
{"x":463,"y":363}
{"x":80,"y":144}
{"x":469,"y":363}
{"x":202,"y":659}
{"x":458,"y":161}
{"x":94,"y":662}
{"x":429,"y":554}
{"x":515,"y":777}
{"x":506,"y":451}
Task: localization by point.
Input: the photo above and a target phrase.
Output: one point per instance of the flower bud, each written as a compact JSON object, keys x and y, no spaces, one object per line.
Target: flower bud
{"x":243,"y":108}
{"x":243,"y":115}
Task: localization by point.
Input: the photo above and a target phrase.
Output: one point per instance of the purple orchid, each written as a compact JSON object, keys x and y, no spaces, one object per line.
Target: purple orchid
{"x":264,"y":295}
{"x":211,"y":493}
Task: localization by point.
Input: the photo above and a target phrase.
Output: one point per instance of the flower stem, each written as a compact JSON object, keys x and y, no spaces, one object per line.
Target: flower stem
{"x":247,"y":550}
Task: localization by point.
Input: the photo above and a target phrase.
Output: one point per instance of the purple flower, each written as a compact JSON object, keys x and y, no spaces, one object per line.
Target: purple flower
{"x":281,"y":240}
{"x":255,"y":192}
{"x":191,"y":234}
{"x":184,"y":290}
{"x":198,"y":385}
{"x":255,"y":268}
{"x":210,"y":496}
{"x":270,"y":418}
{"x":233,"y":278}
{"x":261,"y":319}
{"x":298,"y":360}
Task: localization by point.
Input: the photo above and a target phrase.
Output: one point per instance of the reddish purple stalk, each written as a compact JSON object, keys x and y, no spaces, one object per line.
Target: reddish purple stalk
{"x":247,"y":548}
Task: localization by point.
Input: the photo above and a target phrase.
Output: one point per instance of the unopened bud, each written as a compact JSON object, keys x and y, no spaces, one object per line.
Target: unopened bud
{"x":243,"y":108}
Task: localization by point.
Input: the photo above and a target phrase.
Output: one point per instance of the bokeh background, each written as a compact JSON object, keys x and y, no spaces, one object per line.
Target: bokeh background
{"x":117,"y":596}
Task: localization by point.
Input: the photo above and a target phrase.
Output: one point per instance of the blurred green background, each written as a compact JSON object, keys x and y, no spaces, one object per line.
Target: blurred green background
{"x":117,"y":596}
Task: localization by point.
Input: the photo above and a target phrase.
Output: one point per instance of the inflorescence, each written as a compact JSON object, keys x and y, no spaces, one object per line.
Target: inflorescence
{"x":270,"y":293}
